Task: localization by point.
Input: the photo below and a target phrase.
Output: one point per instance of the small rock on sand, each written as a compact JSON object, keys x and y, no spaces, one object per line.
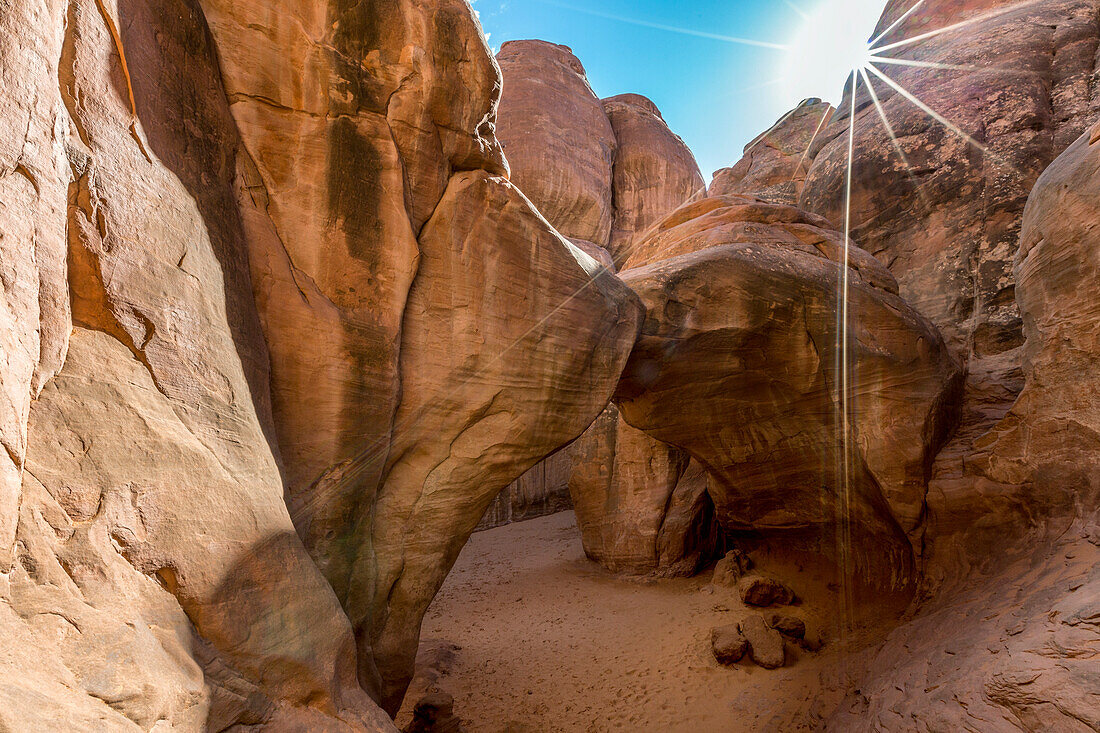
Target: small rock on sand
{"x":728,"y":644}
{"x":788,"y":625}
{"x":731,"y":568}
{"x":756,"y":590}
{"x":435,"y":714}
{"x":765,"y":644}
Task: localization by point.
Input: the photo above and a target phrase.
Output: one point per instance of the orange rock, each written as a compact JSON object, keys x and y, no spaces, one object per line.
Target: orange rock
{"x":737,"y":364}
{"x":559,"y":142}
{"x":776,"y":163}
{"x":654,"y":173}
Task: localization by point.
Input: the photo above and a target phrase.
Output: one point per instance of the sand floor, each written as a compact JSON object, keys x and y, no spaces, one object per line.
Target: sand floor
{"x":527,"y":634}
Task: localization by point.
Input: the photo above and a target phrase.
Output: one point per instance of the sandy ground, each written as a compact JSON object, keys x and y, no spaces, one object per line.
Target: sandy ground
{"x":528,"y":634}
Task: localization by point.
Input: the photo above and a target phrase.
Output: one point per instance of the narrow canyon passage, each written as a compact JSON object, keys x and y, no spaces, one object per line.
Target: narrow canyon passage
{"x":527,"y":634}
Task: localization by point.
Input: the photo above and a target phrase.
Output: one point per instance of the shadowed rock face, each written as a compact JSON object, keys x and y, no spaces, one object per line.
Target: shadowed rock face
{"x":776,"y":163}
{"x":737,"y":365}
{"x":559,"y":142}
{"x":1019,"y":618}
{"x":642,"y":505}
{"x":1049,"y":443}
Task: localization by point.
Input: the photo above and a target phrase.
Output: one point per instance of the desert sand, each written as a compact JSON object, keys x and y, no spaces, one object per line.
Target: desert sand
{"x":527,"y":634}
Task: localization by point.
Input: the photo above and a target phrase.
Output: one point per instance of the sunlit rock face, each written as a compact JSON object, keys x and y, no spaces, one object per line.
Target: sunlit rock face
{"x":738,"y":365}
{"x":286,"y":265}
{"x":1009,"y":640}
{"x":439,"y":309}
{"x":947,"y":224}
{"x":567,"y":158}
{"x":157,"y":579}
{"x":776,"y":163}
{"x":654,"y":172}
{"x":513,"y":342}
{"x":559,"y":142}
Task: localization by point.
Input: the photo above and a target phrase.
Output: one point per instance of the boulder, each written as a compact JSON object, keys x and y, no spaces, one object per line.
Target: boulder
{"x":728,"y":644}
{"x":775,"y":164}
{"x":434,"y":713}
{"x":743,"y":323}
{"x":654,"y":170}
{"x":730,"y":569}
{"x":756,"y":590}
{"x":765,"y":644}
{"x":559,"y":142}
{"x":790,"y":626}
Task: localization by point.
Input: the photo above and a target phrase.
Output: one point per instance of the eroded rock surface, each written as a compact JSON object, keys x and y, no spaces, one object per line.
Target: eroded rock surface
{"x":1013,"y":627}
{"x":505,"y":319}
{"x":297,"y":276}
{"x":737,"y":364}
{"x":642,"y":506}
{"x":947,"y":224}
{"x":158,"y":577}
{"x":776,"y":163}
{"x":654,"y":173}
{"x":559,"y":142}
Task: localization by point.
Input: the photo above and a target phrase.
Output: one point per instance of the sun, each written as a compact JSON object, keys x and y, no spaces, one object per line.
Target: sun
{"x":830,"y":40}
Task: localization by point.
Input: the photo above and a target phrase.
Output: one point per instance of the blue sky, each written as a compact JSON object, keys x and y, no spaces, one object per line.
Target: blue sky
{"x":715,"y":92}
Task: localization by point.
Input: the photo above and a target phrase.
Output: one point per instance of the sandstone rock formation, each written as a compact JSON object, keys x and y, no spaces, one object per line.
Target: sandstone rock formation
{"x":1011,"y":545}
{"x":776,"y":163}
{"x":1011,"y":632}
{"x":642,"y":506}
{"x":441,"y":301}
{"x":543,"y":490}
{"x":294,"y":278}
{"x":947,"y":223}
{"x":505,"y":320}
{"x":157,"y":575}
{"x":565,"y":156}
{"x":946,"y":217}
{"x":655,"y":171}
{"x":559,"y":142}
{"x":742,"y":322}
{"x":602,"y":172}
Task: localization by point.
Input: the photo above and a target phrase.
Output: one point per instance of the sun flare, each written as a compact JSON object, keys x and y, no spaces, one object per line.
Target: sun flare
{"x":831,"y":40}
